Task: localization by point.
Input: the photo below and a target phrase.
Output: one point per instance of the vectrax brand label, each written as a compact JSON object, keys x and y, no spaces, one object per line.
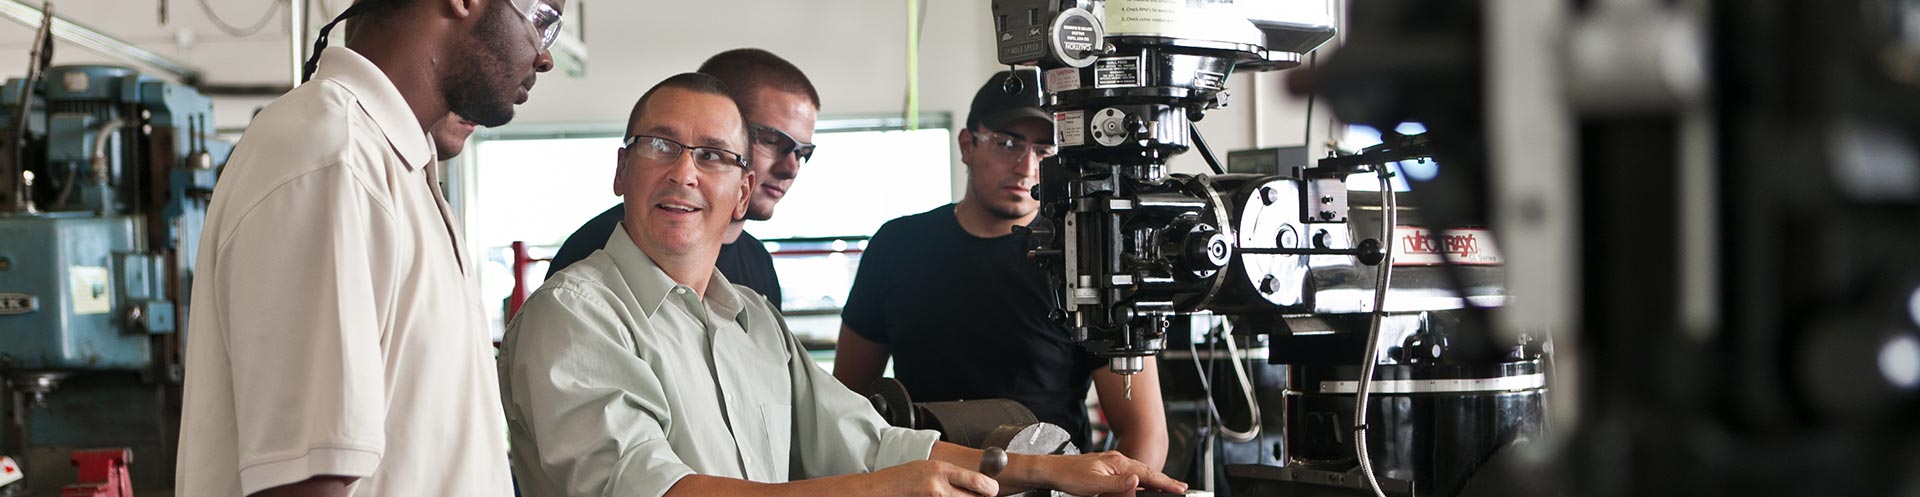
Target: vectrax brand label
{"x":1415,"y":246}
{"x":1452,"y":244}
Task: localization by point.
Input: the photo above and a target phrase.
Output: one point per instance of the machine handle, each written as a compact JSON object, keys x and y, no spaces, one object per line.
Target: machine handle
{"x":1368,"y":251}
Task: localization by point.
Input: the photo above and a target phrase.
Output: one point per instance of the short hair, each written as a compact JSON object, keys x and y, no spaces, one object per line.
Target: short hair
{"x":697,"y":83}
{"x":750,"y":70}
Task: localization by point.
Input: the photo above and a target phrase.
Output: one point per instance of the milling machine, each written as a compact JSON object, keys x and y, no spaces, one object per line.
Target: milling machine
{"x":105,"y":175}
{"x":1357,"y":297}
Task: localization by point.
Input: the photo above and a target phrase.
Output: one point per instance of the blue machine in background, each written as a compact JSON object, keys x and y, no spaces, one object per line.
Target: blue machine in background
{"x":105,"y":177}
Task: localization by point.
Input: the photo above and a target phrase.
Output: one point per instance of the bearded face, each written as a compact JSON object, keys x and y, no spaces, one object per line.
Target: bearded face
{"x":492,"y":68}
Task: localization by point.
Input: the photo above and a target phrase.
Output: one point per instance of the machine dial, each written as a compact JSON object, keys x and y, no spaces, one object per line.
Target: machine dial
{"x":1110,"y":127}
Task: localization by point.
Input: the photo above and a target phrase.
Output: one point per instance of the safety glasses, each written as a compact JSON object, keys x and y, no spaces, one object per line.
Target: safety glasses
{"x":781,"y":142}
{"x":545,"y":20}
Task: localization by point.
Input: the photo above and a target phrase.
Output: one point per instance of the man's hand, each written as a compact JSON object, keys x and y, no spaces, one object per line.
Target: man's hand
{"x":1101,"y":473}
{"x":930,"y":478}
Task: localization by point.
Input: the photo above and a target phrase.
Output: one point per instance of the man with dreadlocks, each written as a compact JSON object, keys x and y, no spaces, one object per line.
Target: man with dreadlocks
{"x":336,"y":346}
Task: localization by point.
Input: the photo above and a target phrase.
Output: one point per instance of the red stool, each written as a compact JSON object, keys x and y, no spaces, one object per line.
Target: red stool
{"x":103,"y":473}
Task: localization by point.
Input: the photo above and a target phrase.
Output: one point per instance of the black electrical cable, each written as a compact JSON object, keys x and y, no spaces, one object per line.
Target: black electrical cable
{"x":39,"y":56}
{"x":273,"y":8}
{"x":1307,"y":140}
{"x":66,"y":189}
{"x":1205,"y":151}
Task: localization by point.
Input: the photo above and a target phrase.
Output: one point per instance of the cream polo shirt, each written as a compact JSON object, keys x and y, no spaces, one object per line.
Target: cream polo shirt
{"x":620,"y":382}
{"x":334,"y":329}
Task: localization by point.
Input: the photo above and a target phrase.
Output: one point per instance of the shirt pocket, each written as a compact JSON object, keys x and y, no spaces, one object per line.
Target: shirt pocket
{"x":778,"y":420}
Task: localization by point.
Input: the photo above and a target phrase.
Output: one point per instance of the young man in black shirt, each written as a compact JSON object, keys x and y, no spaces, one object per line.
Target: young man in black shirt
{"x":781,"y":105}
{"x":950,"y":295}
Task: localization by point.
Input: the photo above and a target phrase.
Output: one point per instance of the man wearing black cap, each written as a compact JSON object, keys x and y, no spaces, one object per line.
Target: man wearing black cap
{"x":950,"y":294}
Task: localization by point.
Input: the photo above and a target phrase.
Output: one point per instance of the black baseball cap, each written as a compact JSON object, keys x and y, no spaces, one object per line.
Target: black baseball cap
{"x":994,"y":107}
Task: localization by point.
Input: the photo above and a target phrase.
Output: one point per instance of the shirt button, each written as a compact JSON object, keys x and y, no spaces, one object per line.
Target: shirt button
{"x":680,"y":290}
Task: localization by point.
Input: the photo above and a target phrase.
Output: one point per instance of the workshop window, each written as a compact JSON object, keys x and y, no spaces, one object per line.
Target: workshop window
{"x":539,"y":186}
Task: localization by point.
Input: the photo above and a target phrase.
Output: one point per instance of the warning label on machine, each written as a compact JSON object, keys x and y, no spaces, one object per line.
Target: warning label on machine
{"x":1072,"y":127}
{"x":1116,"y":72}
{"x":1063,"y":79}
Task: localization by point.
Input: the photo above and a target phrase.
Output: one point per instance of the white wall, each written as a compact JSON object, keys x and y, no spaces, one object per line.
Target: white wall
{"x":855,"y":51}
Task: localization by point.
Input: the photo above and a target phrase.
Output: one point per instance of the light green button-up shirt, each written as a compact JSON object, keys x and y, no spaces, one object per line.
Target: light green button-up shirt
{"x":619,"y":382}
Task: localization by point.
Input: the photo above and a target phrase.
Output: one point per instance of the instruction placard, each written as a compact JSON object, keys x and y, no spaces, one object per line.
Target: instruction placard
{"x":1072,"y":127}
{"x":1117,"y":72}
{"x":1146,"y":17}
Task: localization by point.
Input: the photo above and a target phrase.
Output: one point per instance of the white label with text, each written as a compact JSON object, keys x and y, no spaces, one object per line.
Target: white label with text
{"x":1071,"y":126}
{"x":92,"y":289}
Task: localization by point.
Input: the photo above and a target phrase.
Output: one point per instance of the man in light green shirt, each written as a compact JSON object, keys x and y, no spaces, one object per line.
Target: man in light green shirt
{"x":640,"y":371}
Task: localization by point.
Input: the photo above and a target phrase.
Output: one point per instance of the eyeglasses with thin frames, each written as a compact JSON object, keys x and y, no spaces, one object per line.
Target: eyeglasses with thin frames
{"x":781,"y":142}
{"x":657,"y":150}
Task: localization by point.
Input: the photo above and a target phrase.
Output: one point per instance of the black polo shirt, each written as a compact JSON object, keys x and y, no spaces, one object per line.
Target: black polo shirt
{"x":966,"y":318}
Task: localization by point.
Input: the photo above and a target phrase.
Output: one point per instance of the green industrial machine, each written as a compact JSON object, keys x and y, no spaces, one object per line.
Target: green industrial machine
{"x":105,"y":175}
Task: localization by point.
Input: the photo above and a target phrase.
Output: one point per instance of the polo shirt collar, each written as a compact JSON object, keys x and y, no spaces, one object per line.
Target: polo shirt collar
{"x":652,"y":287}
{"x":381,"y":100}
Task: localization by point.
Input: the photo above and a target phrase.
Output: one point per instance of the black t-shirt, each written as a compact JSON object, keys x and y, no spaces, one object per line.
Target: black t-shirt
{"x":745,"y":261}
{"x":966,"y":318}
